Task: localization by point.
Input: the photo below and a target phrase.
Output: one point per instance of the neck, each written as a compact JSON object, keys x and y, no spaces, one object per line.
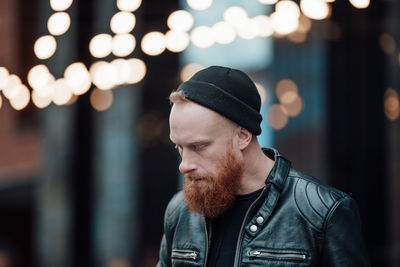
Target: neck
{"x":257,"y":166}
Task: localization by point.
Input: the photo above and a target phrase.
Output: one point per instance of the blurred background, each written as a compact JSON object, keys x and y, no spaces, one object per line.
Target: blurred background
{"x":86,"y":165}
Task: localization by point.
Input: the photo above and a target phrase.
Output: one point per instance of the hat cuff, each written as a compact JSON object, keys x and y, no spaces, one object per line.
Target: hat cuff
{"x":213,"y":97}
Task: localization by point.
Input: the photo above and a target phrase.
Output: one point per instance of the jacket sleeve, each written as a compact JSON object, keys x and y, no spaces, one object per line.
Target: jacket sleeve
{"x":344,"y":244}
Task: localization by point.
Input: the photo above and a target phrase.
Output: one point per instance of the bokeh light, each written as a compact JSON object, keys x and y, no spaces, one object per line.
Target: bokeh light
{"x":199,"y":4}
{"x":284,"y":88}
{"x":189,"y":70}
{"x":45,"y":47}
{"x":13,"y":82}
{"x":223,"y":32}
{"x":3,"y":77}
{"x":360,"y":3}
{"x":177,"y":41}
{"x":297,"y":36}
{"x":391,"y":104}
{"x":60,"y":5}
{"x":40,"y":101}
{"x":101,"y":100}
{"x":104,"y":75}
{"x":58,"y":23}
{"x":290,"y":8}
{"x":283,"y":23}
{"x":128,"y":5}
{"x":202,"y":37}
{"x":387,"y":43}
{"x":138,"y":70}
{"x":39,"y":77}
{"x":315,"y":9}
{"x":101,"y":45}
{"x":180,"y":20}
{"x":264,"y":26}
{"x":276,"y":117}
{"x":20,"y":98}
{"x":122,"y":22}
{"x":78,"y":78}
{"x":293,"y":107}
{"x":153,"y":43}
{"x":262,"y":92}
{"x":61,"y":92}
{"x":248,"y":29}
{"x":235,"y":15}
{"x":268,"y":2}
{"x":123,"y":44}
{"x":1,"y":101}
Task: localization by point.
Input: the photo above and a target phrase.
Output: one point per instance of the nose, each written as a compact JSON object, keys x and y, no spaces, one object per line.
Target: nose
{"x":186,"y":165}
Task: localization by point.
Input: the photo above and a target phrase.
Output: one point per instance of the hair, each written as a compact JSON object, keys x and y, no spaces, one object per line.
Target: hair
{"x":177,"y":97}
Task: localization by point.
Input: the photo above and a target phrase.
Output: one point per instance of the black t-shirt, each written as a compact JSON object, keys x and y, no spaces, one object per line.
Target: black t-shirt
{"x":225,"y":231}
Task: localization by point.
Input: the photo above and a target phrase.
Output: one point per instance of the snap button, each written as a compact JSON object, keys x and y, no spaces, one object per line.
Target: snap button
{"x":253,"y":228}
{"x":260,"y":220}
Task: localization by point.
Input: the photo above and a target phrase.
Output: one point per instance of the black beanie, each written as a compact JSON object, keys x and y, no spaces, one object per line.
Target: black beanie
{"x":227,"y":91}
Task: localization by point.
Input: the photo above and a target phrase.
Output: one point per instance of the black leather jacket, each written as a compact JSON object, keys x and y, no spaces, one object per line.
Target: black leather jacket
{"x":296,"y":221}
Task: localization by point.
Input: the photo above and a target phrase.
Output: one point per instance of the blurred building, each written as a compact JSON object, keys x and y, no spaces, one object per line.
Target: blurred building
{"x":85,"y":176}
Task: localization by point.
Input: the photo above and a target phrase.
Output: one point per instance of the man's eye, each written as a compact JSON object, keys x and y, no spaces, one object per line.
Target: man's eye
{"x":197,"y":147}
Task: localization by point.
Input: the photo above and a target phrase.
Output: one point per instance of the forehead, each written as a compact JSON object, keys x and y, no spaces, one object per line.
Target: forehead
{"x":191,"y":122}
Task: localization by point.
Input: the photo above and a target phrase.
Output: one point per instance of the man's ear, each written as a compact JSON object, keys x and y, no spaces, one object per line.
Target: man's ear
{"x":244,"y":137}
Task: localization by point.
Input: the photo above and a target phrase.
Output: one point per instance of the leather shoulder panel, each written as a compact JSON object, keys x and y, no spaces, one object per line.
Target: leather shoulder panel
{"x":314,"y":199}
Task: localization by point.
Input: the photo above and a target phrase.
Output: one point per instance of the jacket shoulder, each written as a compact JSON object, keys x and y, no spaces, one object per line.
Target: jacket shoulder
{"x":175,"y":208}
{"x":314,"y":199}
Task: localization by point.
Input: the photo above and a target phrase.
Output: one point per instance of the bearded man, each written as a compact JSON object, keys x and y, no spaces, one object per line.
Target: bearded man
{"x":243,"y":205}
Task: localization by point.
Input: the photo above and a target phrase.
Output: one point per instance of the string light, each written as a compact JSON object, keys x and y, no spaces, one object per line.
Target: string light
{"x":276,"y":117}
{"x":58,"y":23}
{"x":77,"y":78}
{"x":101,"y":100}
{"x":61,"y":92}
{"x":189,"y":70}
{"x":262,"y":92}
{"x":123,"y":44}
{"x":45,"y":47}
{"x":40,"y":101}
{"x":201,"y":37}
{"x":264,"y":26}
{"x":315,"y":9}
{"x":122,"y":22}
{"x":20,"y":98}
{"x":153,"y":43}
{"x":223,"y":32}
{"x":177,"y":41}
{"x":138,"y":70}
{"x":268,"y":2}
{"x":39,"y":76}
{"x":13,"y":82}
{"x":128,"y":5}
{"x":180,"y":20}
{"x":3,"y":77}
{"x":60,"y":5}
{"x":104,"y":75}
{"x":360,"y":3}
{"x":199,"y":4}
{"x":101,"y":45}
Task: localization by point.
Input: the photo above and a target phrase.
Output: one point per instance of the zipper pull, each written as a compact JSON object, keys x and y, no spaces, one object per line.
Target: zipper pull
{"x":253,"y":253}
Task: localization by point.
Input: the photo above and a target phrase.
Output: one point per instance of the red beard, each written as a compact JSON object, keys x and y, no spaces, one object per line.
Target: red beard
{"x":215,"y":193}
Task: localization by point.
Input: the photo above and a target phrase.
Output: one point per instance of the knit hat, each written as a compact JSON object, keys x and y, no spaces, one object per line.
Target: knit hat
{"x":227,"y":91}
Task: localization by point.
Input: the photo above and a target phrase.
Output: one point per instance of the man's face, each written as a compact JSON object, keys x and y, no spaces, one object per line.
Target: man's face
{"x":212,"y":166}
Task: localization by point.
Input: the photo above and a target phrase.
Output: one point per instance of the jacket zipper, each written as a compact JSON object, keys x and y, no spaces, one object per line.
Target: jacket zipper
{"x":184,"y":255}
{"x":254,"y":254}
{"x":242,"y":227}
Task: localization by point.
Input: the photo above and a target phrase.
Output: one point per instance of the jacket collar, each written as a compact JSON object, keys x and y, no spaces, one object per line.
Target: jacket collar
{"x":275,"y":183}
